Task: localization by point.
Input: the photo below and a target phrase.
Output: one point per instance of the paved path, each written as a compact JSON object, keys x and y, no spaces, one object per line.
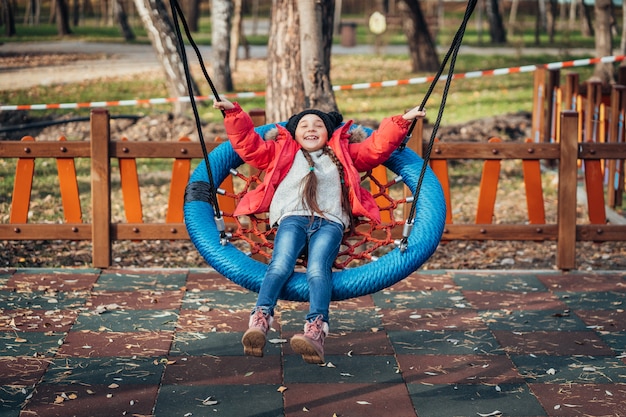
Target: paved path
{"x":166,"y":343}
{"x":132,"y":59}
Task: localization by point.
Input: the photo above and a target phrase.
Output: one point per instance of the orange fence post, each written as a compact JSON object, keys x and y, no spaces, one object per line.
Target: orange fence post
{"x":130,"y":189}
{"x":534,"y":190}
{"x":615,"y":167}
{"x":594,"y":176}
{"x":539,"y":100}
{"x":181,"y":171}
{"x":100,"y":188}
{"x":488,"y":189}
{"x":22,"y":187}
{"x":553,"y":103}
{"x":440,"y":168}
{"x":69,"y":188}
{"x":568,"y":183}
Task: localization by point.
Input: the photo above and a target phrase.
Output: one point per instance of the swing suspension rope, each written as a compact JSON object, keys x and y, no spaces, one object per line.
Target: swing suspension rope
{"x":451,"y":54}
{"x":209,"y":193}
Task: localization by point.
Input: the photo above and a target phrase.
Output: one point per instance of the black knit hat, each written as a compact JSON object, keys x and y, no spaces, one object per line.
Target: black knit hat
{"x":331,"y":120}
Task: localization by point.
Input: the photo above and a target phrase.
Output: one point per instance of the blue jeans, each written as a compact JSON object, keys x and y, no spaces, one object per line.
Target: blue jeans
{"x":294,"y":233}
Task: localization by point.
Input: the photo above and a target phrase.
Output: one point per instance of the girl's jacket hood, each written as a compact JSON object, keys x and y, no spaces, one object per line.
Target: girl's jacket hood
{"x":275,"y":153}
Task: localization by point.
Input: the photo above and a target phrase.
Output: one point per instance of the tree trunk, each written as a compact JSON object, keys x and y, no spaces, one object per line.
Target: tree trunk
{"x":316,"y":23}
{"x":603,"y":41}
{"x":422,"y":47}
{"x":8,"y":19}
{"x":496,"y":27}
{"x":156,"y":20}
{"x":122,"y":20}
{"x":622,"y":45}
{"x":587,"y":26}
{"x":513,"y":18}
{"x":192,"y":14}
{"x":551,"y":20}
{"x":221,"y":16}
{"x":62,"y":18}
{"x":235,"y":34}
{"x":285,"y":88}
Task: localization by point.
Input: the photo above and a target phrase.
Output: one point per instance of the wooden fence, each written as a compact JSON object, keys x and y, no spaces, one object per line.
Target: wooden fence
{"x":567,"y":150}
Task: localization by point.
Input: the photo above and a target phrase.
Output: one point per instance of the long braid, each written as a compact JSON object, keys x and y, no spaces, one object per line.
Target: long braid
{"x":309,"y":191}
{"x":345,"y":192}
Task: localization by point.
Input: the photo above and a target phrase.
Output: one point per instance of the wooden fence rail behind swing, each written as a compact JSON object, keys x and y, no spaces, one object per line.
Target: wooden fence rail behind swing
{"x":102,"y":231}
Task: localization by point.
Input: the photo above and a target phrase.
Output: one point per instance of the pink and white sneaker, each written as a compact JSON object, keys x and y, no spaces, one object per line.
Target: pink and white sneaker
{"x":253,"y":339}
{"x":311,"y":344}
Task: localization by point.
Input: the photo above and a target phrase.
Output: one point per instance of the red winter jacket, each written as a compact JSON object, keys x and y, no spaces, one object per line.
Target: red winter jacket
{"x":275,"y":157}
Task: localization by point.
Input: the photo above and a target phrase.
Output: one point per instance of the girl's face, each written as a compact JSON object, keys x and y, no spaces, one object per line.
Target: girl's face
{"x":311,"y":133}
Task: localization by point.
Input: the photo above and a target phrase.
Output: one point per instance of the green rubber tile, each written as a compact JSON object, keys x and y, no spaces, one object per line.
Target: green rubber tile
{"x":134,"y":281}
{"x":616,"y":341}
{"x":471,"y":400}
{"x":348,"y":399}
{"x":223,"y":370}
{"x":59,"y":281}
{"x":28,"y":320}
{"x":21,"y":371}
{"x":577,"y":281}
{"x":498,"y":281}
{"x":478,"y":342}
{"x":422,"y":299}
{"x":33,"y":344}
{"x":340,"y":321}
{"x":342,"y":369}
{"x":116,"y":344}
{"x":127,"y":320}
{"x":571,"y":369}
{"x":42,"y":300}
{"x":50,"y":271}
{"x":601,"y":300}
{"x":216,"y":344}
{"x":458,"y":369}
{"x":12,"y":399}
{"x":136,"y":300}
{"x":569,"y":400}
{"x":91,"y":400}
{"x":234,"y":300}
{"x":105,"y":371}
{"x":552,"y":343}
{"x":221,"y":400}
{"x":529,"y":320}
{"x":604,"y":321}
{"x":432,"y":319}
{"x":513,"y":300}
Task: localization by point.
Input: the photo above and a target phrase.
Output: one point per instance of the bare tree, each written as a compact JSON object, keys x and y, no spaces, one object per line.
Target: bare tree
{"x":62,"y":17}
{"x":290,"y":69}
{"x":8,"y":19}
{"x":496,"y":27}
{"x":160,"y":29}
{"x":603,"y":40}
{"x":122,"y":20}
{"x":422,"y":47}
{"x":192,"y":14}
{"x":221,"y":18}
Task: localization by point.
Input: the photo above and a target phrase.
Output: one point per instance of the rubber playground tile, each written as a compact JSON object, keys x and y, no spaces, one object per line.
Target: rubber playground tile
{"x":424,"y":281}
{"x":59,"y":281}
{"x":432,"y":319}
{"x":127,"y":320}
{"x":423,"y":299}
{"x":608,"y":321}
{"x":210,"y":320}
{"x":235,"y":300}
{"x":91,"y":400}
{"x":565,"y":400}
{"x":135,"y":281}
{"x":258,"y":400}
{"x":21,"y":371}
{"x":464,"y":400}
{"x":577,"y":281}
{"x":209,"y":280}
{"x":601,"y":300}
{"x":350,"y":343}
{"x":513,"y":300}
{"x":458,"y":369}
{"x":616,"y":341}
{"x":214,"y":344}
{"x":347,"y":400}
{"x":499,"y":281}
{"x":530,"y":320}
{"x":32,"y":344}
{"x":136,"y":300}
{"x":224,"y":370}
{"x":292,"y":321}
{"x":108,"y":344}
{"x":123,"y":371}
{"x":552,"y":343}
{"x":12,"y":399}
{"x":359,"y":303}
{"x":27,"y":320}
{"x":42,"y":300}
{"x":342,"y":369}
{"x":571,"y":369}
{"x":478,"y":342}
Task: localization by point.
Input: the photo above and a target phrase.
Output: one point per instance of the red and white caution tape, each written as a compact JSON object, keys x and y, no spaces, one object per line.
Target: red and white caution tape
{"x":359,"y":86}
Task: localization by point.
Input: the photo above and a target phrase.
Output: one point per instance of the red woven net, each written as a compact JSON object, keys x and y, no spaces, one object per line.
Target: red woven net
{"x":253,"y":235}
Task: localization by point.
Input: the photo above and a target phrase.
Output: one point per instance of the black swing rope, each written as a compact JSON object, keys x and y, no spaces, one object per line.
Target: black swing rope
{"x":451,"y":54}
{"x":210,"y":194}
